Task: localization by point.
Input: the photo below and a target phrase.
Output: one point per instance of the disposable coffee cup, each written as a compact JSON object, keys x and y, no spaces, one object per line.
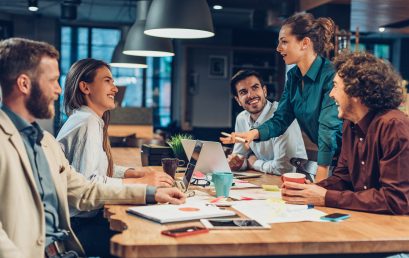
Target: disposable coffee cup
{"x":293,"y":177}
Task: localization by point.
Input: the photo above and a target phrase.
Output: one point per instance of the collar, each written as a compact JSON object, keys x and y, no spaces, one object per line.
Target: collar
{"x":18,"y":122}
{"x":314,"y":69}
{"x":31,"y":130}
{"x":366,"y":121}
{"x":261,"y":117}
{"x":88,"y":110}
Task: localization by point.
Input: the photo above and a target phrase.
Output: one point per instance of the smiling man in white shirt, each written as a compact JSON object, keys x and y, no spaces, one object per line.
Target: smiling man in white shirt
{"x":272,"y":156}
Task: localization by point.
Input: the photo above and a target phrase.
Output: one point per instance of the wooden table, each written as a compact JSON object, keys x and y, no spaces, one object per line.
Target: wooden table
{"x":362,"y":233}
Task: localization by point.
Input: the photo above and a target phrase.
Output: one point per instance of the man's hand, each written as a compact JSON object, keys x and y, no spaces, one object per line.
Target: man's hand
{"x":152,"y":178}
{"x":235,"y":161}
{"x":134,"y":173}
{"x":251,"y":160}
{"x":248,"y":136}
{"x":303,"y":193}
{"x":169,"y":195}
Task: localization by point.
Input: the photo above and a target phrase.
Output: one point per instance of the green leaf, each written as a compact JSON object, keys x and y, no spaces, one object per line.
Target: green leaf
{"x":176,"y":144}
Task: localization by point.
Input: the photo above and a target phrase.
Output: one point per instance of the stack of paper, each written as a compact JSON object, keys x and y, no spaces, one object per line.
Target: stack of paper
{"x":273,"y":211}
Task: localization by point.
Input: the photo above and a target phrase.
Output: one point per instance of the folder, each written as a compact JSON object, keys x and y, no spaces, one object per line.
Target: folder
{"x":165,"y":213}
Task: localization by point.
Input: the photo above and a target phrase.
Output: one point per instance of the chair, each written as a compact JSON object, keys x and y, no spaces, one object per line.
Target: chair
{"x":306,"y":167}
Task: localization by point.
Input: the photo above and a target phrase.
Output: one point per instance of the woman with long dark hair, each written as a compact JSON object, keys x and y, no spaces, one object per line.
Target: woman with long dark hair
{"x":88,"y":98}
{"x":302,"y":41}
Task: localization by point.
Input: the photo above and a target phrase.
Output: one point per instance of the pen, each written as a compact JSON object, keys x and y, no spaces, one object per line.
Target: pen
{"x":237,"y":138}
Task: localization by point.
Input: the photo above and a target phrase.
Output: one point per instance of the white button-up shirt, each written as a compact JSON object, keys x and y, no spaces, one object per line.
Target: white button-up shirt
{"x":273,"y":156}
{"x":81,"y":139}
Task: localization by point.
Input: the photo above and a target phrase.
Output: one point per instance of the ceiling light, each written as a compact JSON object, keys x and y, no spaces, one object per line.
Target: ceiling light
{"x":33,"y":5}
{"x":381,"y":29}
{"x":217,"y":7}
{"x":179,"y":19}
{"x":139,"y":44}
{"x":69,"y":9}
{"x":125,"y":61}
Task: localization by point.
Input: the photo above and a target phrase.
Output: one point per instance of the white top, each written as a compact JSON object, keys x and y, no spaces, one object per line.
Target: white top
{"x":273,"y":156}
{"x":81,"y":139}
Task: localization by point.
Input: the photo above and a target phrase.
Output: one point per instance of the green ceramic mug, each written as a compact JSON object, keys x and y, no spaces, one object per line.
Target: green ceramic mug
{"x":222,"y":182}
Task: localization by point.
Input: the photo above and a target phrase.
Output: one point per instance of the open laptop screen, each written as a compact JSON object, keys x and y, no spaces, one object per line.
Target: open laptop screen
{"x":192,"y":163}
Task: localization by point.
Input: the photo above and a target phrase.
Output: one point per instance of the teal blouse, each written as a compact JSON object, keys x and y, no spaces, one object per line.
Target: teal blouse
{"x":314,"y":110}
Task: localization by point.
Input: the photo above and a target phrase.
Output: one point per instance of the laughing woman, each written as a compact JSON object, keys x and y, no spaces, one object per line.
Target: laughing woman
{"x":302,"y":41}
{"x":88,"y":97}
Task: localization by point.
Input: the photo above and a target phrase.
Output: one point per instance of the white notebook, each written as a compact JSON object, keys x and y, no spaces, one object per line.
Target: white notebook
{"x":165,"y":213}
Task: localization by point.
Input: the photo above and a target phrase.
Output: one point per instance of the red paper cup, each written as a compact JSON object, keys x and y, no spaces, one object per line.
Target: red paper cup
{"x":293,"y":177}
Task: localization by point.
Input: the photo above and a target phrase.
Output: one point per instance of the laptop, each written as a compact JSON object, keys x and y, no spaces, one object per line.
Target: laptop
{"x":183,"y":184}
{"x":212,"y":159}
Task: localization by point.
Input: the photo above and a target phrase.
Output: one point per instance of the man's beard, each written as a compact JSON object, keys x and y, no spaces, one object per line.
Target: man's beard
{"x":38,"y":104}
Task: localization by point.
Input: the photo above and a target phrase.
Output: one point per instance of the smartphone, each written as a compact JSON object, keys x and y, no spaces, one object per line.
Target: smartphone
{"x":185,"y":231}
{"x":233,"y":224}
{"x":335,"y":217}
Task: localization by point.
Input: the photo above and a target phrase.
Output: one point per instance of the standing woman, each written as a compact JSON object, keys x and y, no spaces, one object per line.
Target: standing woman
{"x":302,"y":41}
{"x":88,"y":97}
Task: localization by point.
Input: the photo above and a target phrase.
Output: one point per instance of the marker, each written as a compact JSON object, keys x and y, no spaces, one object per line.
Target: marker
{"x":237,"y":138}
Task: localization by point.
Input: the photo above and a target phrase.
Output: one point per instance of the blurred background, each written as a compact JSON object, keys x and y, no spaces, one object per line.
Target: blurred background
{"x":188,"y":90}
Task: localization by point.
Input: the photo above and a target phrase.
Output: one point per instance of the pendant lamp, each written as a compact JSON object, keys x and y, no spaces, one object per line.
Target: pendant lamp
{"x":121,"y":60}
{"x":139,"y":44}
{"x":183,"y":19}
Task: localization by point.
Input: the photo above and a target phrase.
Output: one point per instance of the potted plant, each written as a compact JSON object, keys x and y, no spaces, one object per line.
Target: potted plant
{"x":175,"y":144}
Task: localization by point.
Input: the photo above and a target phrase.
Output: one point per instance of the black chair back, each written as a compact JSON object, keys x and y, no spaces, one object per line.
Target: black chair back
{"x":306,"y":167}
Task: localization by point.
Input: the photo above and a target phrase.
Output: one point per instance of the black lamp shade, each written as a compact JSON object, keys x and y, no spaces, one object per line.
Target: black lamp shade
{"x":121,"y":60}
{"x":68,"y":11}
{"x":179,"y":19}
{"x":139,"y":44}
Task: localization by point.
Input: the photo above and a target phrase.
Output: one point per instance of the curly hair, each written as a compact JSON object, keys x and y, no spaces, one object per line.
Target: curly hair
{"x":370,"y":79}
{"x":320,"y":30}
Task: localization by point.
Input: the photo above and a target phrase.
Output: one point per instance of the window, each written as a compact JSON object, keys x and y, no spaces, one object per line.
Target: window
{"x":381,"y":50}
{"x":143,"y":87}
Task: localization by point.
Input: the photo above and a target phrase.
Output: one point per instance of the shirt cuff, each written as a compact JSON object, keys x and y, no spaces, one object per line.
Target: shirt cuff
{"x":258,"y":165}
{"x":244,"y":165}
{"x":263,"y":132}
{"x":150,"y":194}
{"x":113,"y":181}
{"x":325,"y":158}
{"x":119,"y":171}
{"x":331,"y":198}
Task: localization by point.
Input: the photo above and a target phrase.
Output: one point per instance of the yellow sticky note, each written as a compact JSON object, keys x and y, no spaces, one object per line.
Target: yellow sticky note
{"x":272,"y":188}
